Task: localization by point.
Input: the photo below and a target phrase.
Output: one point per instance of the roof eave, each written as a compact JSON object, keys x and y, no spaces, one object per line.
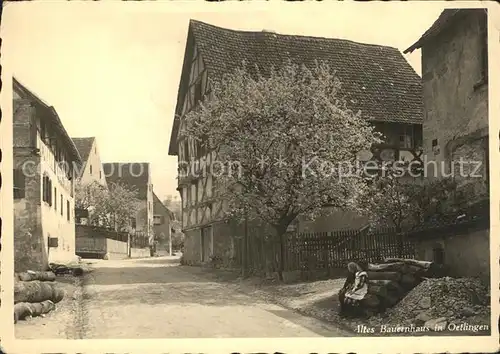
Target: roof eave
{"x":69,"y":141}
{"x":53,"y":113}
{"x":172,"y":150}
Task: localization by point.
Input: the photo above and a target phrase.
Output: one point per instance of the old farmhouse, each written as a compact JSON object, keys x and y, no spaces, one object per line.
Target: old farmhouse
{"x":44,"y":183}
{"x":377,"y":80}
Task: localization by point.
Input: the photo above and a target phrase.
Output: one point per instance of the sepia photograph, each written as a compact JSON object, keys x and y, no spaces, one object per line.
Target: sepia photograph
{"x":255,"y":172}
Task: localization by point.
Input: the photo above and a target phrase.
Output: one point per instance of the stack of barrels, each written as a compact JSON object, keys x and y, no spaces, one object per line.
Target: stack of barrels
{"x":35,"y":294}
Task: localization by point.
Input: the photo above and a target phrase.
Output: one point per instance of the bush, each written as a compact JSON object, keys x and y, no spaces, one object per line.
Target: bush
{"x":216,"y":261}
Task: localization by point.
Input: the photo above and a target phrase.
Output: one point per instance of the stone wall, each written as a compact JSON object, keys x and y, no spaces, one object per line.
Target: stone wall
{"x":29,"y":244}
{"x":24,"y":128}
{"x":465,"y":254}
{"x":140,"y":252}
{"x":454,"y":106}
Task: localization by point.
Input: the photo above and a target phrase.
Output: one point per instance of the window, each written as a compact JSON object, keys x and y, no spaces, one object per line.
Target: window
{"x":90,"y":169}
{"x":62,"y":205}
{"x":55,"y":199}
{"x":100,"y":174}
{"x":67,"y":210}
{"x":406,"y":137}
{"x":133,"y":223}
{"x":438,"y":255}
{"x":19,"y":184}
{"x":158,"y":219}
{"x":47,"y":190}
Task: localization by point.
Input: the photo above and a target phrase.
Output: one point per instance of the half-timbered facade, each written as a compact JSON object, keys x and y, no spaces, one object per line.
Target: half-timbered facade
{"x":375,"y":79}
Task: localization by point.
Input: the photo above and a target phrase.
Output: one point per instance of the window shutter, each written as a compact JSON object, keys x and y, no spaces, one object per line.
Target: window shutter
{"x":19,"y":184}
{"x":44,"y":188}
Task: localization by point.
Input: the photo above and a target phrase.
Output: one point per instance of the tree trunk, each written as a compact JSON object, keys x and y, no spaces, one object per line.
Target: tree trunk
{"x":281,"y":238}
{"x":414,"y":262}
{"x":399,"y":236}
{"x":244,"y":268}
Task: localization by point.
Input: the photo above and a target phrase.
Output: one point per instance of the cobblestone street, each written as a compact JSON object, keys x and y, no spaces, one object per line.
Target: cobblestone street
{"x":157,"y":298}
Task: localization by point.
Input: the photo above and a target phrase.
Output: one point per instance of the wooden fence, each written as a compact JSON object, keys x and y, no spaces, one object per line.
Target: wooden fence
{"x":309,"y":251}
{"x":324,"y":250}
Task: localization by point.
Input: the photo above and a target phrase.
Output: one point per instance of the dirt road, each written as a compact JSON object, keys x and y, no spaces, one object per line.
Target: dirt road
{"x":157,"y":298}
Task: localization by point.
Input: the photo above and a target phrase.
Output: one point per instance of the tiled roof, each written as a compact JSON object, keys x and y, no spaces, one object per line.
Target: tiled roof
{"x":445,"y":19}
{"x":158,"y":202}
{"x":52,"y":115}
{"x":84,"y":145}
{"x":375,"y":79}
{"x":134,"y":175}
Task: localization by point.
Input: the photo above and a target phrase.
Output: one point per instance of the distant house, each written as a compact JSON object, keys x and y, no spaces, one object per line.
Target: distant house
{"x":136,"y":176}
{"x":162,"y":223}
{"x":455,"y":90}
{"x":44,"y":182}
{"x":375,"y":79}
{"x":89,"y":171}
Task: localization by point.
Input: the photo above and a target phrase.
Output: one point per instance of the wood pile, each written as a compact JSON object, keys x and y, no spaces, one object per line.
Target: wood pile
{"x":390,"y":281}
{"x":35,"y":294}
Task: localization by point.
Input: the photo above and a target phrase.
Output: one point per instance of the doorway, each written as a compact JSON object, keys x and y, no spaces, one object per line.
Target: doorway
{"x":206,"y":243}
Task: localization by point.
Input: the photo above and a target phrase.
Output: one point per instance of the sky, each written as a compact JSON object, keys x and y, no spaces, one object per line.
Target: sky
{"x":112,"y":70}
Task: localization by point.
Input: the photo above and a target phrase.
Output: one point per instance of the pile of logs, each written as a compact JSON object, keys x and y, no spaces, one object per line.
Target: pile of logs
{"x":35,"y":294}
{"x":390,"y":281}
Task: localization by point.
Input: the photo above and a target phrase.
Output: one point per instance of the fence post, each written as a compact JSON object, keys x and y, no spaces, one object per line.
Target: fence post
{"x":129,"y":245}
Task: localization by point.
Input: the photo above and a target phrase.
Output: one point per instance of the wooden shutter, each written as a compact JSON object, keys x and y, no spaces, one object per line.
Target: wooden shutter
{"x":44,"y":188}
{"x":19,"y":184}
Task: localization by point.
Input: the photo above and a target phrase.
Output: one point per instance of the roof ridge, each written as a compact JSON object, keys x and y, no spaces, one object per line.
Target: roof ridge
{"x":192,"y":21}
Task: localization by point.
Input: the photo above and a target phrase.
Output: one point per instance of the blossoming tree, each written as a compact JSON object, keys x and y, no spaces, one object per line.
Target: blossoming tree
{"x":287,"y":141}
